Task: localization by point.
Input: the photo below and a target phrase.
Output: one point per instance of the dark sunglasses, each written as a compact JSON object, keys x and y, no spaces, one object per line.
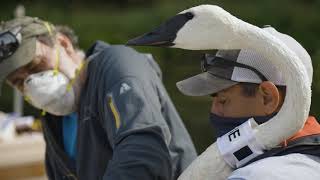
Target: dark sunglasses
{"x":209,"y":61}
{"x":9,"y":42}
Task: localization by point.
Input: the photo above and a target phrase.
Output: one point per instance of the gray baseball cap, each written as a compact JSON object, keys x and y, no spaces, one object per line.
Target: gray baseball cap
{"x":30,"y":28}
{"x":243,"y":65}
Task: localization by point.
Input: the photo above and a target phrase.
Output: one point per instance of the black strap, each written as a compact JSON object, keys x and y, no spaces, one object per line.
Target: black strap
{"x":309,"y":145}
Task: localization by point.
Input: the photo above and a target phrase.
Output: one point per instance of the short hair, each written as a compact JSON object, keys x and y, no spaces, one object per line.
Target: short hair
{"x":251,"y":89}
{"x":63,"y":29}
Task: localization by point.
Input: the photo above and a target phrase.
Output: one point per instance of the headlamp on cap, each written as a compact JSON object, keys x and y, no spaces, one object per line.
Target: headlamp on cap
{"x":9,"y":42}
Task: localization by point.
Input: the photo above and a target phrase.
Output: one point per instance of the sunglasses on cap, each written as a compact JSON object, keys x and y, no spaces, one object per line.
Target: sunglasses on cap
{"x":9,"y":42}
{"x":210,"y":61}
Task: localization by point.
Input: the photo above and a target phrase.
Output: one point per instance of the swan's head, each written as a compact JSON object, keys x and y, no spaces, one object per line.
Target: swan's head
{"x":201,"y":27}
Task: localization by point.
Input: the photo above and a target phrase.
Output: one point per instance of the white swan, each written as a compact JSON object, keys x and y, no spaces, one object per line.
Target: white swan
{"x":211,"y":27}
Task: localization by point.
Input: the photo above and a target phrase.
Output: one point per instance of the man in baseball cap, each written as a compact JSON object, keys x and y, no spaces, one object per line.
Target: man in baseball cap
{"x":108,"y":117}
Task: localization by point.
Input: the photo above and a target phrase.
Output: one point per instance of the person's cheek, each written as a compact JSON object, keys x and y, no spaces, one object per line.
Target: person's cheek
{"x":228,"y":108}
{"x":235,"y":107}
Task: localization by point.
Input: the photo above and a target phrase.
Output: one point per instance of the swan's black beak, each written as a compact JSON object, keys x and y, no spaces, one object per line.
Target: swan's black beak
{"x":165,"y":34}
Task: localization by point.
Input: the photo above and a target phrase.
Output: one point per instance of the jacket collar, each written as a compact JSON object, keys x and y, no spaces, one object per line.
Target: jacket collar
{"x":311,"y":127}
{"x":97,"y":47}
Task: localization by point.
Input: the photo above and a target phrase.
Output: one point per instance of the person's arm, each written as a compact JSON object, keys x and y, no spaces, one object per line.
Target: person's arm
{"x":137,"y":133}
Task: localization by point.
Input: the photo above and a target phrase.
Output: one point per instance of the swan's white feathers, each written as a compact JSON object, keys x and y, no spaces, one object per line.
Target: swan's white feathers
{"x":199,"y":29}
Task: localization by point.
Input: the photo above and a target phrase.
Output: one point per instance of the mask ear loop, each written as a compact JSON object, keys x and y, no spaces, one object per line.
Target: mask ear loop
{"x":56,"y":68}
{"x":28,"y":100}
{"x":77,"y":72}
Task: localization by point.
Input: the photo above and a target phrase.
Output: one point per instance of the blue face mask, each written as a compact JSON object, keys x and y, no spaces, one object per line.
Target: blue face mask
{"x":222,"y":125}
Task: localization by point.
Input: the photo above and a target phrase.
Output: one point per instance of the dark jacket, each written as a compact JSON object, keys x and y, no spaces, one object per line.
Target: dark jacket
{"x":128,"y":127}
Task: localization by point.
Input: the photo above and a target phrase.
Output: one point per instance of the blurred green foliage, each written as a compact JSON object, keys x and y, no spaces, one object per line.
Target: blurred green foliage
{"x":116,"y":21}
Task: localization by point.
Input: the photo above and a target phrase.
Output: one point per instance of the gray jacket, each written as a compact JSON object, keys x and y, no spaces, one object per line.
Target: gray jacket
{"x":128,"y":128}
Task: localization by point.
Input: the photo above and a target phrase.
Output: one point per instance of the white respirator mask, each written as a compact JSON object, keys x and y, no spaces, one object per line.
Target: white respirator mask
{"x":51,"y":92}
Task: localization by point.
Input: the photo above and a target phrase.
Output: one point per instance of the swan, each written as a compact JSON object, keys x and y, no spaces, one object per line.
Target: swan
{"x":211,"y":27}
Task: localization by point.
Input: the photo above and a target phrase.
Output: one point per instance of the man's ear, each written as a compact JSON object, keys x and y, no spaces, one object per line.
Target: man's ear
{"x":65,"y":42}
{"x":270,"y":97}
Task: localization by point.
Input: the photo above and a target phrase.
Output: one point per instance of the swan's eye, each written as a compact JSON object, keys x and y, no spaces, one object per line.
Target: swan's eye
{"x":189,"y":15}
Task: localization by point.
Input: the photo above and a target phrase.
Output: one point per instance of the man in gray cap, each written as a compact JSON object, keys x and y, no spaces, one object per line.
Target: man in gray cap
{"x":109,"y":117}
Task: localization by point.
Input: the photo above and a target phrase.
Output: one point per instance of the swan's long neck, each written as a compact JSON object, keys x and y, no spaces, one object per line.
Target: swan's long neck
{"x":296,"y":106}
